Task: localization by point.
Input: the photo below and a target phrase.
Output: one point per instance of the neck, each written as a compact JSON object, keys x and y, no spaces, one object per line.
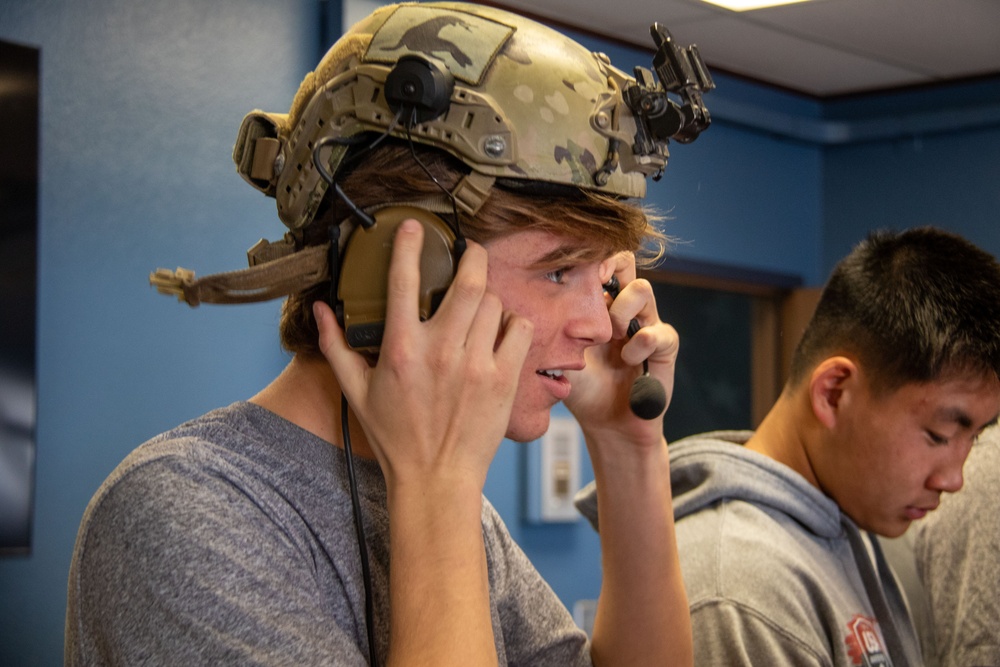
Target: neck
{"x":786,"y":433}
{"x":307,"y":394}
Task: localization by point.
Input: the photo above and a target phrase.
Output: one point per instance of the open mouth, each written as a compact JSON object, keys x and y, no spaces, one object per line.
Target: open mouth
{"x":555,"y":382}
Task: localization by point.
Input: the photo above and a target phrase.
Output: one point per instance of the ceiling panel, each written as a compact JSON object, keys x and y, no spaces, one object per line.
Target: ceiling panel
{"x":820,"y":48}
{"x":940,"y":38}
{"x":788,"y":60}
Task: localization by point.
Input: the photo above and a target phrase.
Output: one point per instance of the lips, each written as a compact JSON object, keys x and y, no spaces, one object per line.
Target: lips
{"x":914,"y":513}
{"x":554,"y":380}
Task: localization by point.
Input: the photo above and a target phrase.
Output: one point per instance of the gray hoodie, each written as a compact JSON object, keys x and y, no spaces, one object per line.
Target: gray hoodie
{"x":775,"y":573}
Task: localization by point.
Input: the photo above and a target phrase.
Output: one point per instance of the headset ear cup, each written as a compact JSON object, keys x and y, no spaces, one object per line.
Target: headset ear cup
{"x":364,"y":272}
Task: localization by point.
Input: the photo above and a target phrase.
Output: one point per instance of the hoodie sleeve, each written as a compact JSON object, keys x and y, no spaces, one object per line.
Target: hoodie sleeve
{"x":731,"y":635}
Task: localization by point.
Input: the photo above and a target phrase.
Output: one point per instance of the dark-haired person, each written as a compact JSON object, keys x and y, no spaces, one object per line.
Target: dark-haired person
{"x":894,"y":378}
{"x":236,"y":538}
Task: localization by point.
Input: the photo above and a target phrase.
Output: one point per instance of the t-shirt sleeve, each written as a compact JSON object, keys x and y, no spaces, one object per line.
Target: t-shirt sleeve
{"x":537,"y":628}
{"x":176,"y":565}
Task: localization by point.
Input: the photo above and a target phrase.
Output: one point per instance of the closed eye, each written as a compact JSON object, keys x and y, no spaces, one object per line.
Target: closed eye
{"x":937,"y":439}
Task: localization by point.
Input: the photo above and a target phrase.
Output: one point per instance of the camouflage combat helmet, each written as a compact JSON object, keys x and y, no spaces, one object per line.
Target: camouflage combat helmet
{"x":528,"y":103}
{"x":525,"y":105}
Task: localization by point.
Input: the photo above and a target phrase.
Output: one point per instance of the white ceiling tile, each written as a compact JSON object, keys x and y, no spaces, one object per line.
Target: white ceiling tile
{"x":821,"y":48}
{"x":753,"y":50}
{"x":941,"y":38}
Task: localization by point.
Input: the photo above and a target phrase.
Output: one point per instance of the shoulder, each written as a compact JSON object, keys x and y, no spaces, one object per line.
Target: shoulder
{"x":205,"y":481}
{"x":735,"y":541}
{"x":729,"y":633}
{"x":759,"y":571}
{"x":169,"y":466}
{"x":206,"y":509}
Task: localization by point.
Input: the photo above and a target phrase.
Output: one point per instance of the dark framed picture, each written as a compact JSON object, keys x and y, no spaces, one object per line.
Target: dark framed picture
{"x":19,"y":109}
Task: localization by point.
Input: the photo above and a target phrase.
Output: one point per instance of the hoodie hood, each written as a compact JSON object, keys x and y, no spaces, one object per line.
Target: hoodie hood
{"x":712,"y":467}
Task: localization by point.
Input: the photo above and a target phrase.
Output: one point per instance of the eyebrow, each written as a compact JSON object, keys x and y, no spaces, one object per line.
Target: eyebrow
{"x":961,"y":418}
{"x":565,"y":254}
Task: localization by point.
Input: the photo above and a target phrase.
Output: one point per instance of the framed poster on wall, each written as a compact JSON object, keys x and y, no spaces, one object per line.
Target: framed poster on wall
{"x":19,"y":109}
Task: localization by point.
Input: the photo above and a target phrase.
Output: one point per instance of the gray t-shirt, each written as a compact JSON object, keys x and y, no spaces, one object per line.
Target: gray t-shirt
{"x":958,"y":556}
{"x":230,"y":540}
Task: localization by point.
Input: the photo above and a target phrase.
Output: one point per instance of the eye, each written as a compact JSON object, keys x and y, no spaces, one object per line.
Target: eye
{"x":556,"y":276}
{"x":937,"y":439}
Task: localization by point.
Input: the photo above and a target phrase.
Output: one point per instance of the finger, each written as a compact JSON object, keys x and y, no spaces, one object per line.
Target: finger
{"x":637,"y":302}
{"x":619,"y":267}
{"x":658,"y":343}
{"x":349,"y":366}
{"x":642,"y":293}
{"x":663,"y":362}
{"x":462,"y":301}
{"x":402,"y":300}
{"x":621,"y":264}
{"x":514,"y":343}
{"x":485,"y":329}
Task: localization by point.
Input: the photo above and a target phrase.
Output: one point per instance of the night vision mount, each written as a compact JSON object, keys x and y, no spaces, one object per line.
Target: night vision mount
{"x":659,"y":118}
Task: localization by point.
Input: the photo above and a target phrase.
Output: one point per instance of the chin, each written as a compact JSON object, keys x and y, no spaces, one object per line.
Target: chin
{"x":895,"y":531}
{"x":889,"y":529}
{"x":521,"y":429}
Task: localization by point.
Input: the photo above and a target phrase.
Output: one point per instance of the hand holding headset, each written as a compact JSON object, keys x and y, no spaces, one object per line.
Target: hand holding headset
{"x":647,"y":398}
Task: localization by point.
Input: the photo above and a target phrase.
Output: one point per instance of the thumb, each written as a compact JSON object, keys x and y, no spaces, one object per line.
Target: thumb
{"x":349,"y":366}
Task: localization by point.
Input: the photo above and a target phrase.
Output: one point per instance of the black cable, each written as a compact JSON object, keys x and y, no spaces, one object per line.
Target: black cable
{"x":360,"y":530}
{"x":324,"y":172}
{"x":459,"y":237}
{"x":367,"y":221}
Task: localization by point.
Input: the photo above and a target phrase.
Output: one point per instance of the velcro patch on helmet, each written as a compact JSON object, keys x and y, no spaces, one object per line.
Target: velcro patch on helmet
{"x":465,"y":43}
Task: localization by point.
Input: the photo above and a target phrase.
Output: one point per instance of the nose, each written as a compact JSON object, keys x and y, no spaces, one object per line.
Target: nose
{"x":948,"y":477}
{"x":948,"y":482}
{"x":590,"y":321}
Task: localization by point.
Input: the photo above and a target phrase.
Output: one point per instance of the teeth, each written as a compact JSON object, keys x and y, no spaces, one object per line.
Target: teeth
{"x":552,"y":374}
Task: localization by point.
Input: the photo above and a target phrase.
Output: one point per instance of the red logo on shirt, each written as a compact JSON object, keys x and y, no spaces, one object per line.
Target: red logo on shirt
{"x":864,"y":642}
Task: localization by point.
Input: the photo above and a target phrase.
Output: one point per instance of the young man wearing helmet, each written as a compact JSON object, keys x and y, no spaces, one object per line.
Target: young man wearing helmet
{"x":431,"y":134}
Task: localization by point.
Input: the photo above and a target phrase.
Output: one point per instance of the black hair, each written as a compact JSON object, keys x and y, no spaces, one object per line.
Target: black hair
{"x":910,"y":306}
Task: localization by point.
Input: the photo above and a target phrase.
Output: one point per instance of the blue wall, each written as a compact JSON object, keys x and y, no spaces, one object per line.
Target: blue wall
{"x":741,"y":195}
{"x":935,"y":161}
{"x":141,"y":101}
{"x":140,"y":106}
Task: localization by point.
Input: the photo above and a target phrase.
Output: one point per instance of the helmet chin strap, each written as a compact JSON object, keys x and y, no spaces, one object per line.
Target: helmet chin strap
{"x":280,"y":277}
{"x":278,"y":269}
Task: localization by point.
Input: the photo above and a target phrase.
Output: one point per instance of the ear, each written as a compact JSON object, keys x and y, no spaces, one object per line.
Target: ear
{"x":831,"y":385}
